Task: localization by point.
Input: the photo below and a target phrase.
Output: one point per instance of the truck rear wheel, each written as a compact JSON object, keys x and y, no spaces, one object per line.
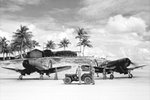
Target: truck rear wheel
{"x":87,"y":80}
{"x":67,"y":80}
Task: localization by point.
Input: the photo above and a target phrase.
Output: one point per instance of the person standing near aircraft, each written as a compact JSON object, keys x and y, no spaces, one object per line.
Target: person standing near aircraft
{"x":50,"y":64}
{"x":78,"y":72}
{"x":92,"y":71}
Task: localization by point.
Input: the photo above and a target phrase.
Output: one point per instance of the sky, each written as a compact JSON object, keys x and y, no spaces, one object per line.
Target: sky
{"x":117,"y":28}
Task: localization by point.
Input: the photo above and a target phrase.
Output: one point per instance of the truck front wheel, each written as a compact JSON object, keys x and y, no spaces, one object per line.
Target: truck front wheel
{"x":67,"y":80}
{"x":87,"y":80}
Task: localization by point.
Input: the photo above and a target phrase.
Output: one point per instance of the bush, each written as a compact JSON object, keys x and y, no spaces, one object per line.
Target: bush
{"x":65,"y":54}
{"x":48,"y":53}
{"x":7,"y":58}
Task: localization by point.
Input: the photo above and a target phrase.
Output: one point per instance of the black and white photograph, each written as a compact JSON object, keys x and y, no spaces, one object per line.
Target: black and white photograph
{"x":74,"y":49}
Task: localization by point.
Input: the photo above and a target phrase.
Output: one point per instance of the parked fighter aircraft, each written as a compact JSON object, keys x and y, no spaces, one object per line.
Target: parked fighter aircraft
{"x":119,"y":66}
{"x":36,"y":65}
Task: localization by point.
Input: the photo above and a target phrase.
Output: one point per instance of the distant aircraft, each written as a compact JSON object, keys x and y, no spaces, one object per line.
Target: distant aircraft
{"x":36,"y":65}
{"x":109,"y":67}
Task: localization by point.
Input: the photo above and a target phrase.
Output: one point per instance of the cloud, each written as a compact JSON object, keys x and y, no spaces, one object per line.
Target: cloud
{"x":120,"y":37}
{"x":98,"y":11}
{"x":57,"y":11}
{"x":15,"y":5}
{"x":120,"y":24}
{"x":11,"y":8}
{"x":107,"y":8}
{"x":133,"y":28}
{"x":24,"y":2}
{"x":47,"y":23}
{"x":5,"y":34}
{"x":146,"y":36}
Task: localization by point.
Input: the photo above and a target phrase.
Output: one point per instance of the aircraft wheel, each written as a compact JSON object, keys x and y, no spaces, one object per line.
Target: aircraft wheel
{"x":87,"y":80}
{"x":111,"y":76}
{"x":20,"y":77}
{"x":41,"y":76}
{"x":67,"y":80}
{"x":130,"y":76}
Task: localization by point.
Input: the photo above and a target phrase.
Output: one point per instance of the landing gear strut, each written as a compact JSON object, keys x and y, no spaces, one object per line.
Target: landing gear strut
{"x":56,"y":75}
{"x":104,"y":74}
{"x":20,"y":77}
{"x":112,"y":75}
{"x":41,"y":76}
{"x":130,"y":75}
{"x":97,"y":75}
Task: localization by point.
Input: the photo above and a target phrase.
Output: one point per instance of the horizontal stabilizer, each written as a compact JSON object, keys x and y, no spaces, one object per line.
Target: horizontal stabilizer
{"x":136,"y":67}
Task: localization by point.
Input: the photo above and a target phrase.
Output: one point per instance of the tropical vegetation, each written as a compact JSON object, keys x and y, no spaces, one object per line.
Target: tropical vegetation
{"x":22,"y":42}
{"x":64,"y":43}
{"x":50,"y":45}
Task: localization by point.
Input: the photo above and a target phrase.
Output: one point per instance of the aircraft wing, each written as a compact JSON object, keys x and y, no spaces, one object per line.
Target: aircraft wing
{"x":100,"y":70}
{"x":17,"y":70}
{"x":112,"y":67}
{"x":57,"y":69}
{"x":136,"y":67}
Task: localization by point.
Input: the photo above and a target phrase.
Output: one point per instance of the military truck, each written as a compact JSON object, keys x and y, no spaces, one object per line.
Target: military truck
{"x":86,"y":77}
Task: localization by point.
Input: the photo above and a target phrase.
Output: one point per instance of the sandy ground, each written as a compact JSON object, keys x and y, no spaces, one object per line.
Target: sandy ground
{"x":31,"y":88}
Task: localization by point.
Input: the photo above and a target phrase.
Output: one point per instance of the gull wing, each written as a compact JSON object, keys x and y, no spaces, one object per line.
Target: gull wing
{"x":14,"y":69}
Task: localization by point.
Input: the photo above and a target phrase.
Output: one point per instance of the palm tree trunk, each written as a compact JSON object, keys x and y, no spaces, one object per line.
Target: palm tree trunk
{"x":9,"y":55}
{"x":21,"y":54}
{"x":80,"y":47}
{"x":80,"y":50}
{"x":83,"y":50}
{"x":21,"y":50}
{"x":64,"y":48}
{"x":3,"y":56}
{"x":6,"y":55}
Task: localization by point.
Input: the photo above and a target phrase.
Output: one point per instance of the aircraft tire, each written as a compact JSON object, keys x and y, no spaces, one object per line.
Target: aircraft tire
{"x":41,"y":77}
{"x":111,"y":76}
{"x":20,"y":77}
{"x":130,"y":76}
{"x":87,"y":80}
{"x":67,"y":80}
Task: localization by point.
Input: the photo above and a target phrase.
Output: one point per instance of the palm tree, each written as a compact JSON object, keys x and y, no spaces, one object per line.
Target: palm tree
{"x":15,"y":48}
{"x":64,"y":43}
{"x":35,"y":44}
{"x":85,"y":43}
{"x":32,"y":44}
{"x":50,"y":45}
{"x":3,"y":45}
{"x":22,"y":37}
{"x":9,"y":50}
{"x":81,"y":34}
